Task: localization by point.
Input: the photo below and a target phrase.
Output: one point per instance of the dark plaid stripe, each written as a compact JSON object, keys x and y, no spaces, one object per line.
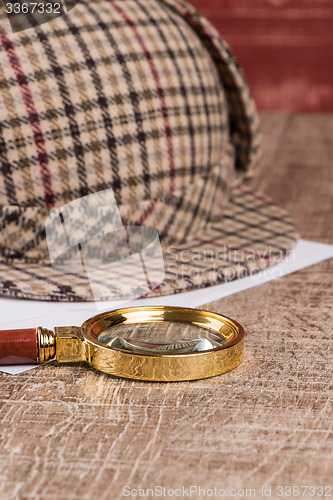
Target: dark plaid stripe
{"x":17,"y":218}
{"x":119,"y":57}
{"x":112,"y":100}
{"x":146,"y":95}
{"x":168,"y":224}
{"x":102,"y":103}
{"x":159,"y":88}
{"x":32,"y":116}
{"x":68,"y":109}
{"x":57,"y":290}
{"x":7,"y":170}
{"x":184,"y":91}
{"x":122,"y":139}
{"x":133,"y":97}
{"x":203,"y":89}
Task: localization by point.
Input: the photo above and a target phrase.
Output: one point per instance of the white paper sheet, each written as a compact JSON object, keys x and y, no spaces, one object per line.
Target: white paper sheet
{"x":27,"y":313}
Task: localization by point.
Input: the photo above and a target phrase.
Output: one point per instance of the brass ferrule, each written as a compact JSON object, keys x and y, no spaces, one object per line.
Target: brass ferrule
{"x":46,"y":344}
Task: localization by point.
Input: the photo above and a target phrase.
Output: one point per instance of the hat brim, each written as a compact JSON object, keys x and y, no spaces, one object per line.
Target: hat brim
{"x":252,"y":235}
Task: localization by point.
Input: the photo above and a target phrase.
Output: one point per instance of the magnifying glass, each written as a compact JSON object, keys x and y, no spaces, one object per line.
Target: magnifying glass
{"x":155,"y":343}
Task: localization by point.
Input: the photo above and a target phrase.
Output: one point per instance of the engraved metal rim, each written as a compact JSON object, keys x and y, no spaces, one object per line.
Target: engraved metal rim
{"x":223,"y":320}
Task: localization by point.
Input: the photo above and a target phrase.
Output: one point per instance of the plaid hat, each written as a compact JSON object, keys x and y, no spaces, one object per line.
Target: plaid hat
{"x":144,"y":97}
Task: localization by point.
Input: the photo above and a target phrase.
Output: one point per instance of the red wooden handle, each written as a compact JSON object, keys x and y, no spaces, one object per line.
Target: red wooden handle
{"x":18,"y":347}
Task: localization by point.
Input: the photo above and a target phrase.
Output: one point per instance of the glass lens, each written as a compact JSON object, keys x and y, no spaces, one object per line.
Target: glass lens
{"x":167,"y":337}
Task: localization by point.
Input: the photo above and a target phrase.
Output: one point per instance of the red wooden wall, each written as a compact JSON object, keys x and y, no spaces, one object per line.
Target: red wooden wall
{"x":284,"y":46}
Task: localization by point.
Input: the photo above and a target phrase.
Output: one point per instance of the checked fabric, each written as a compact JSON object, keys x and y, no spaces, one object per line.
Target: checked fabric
{"x":144,"y":97}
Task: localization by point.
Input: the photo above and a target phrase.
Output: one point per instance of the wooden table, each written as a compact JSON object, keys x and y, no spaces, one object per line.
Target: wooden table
{"x":284,"y":47}
{"x":72,"y":433}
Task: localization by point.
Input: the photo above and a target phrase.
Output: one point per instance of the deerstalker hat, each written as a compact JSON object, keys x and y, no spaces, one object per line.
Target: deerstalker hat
{"x":144,"y":97}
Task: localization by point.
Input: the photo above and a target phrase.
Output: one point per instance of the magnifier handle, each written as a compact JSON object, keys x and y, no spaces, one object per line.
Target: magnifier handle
{"x":18,"y":347}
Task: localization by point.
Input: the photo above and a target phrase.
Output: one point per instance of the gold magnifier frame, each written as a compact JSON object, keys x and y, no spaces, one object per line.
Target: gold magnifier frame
{"x":76,"y":344}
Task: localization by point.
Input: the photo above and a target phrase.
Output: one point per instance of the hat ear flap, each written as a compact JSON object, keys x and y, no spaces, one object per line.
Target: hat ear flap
{"x":243,"y":116}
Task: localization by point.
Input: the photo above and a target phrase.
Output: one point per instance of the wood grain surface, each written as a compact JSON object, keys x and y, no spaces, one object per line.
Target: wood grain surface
{"x":68,"y":432}
{"x":284,"y":46}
